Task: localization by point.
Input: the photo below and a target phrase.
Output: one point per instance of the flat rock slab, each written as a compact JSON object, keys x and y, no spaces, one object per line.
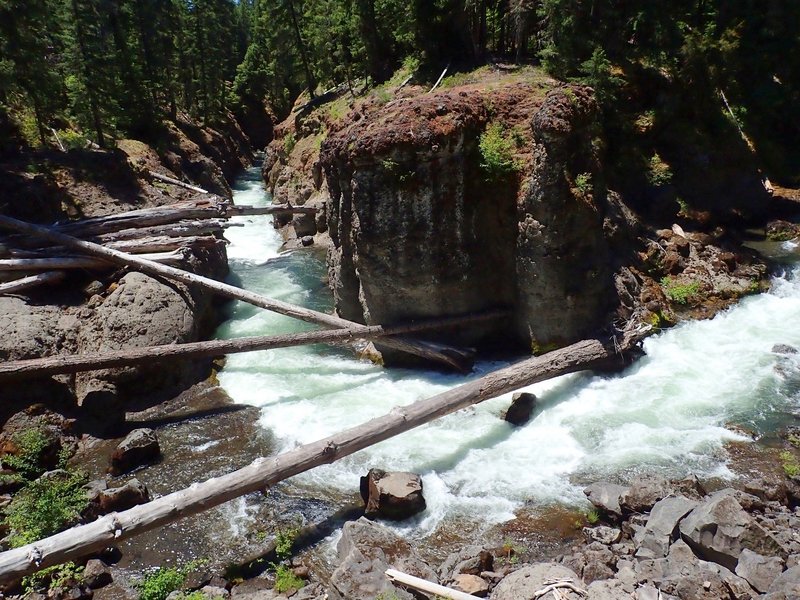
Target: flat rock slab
{"x":759,"y":571}
{"x":605,"y":496}
{"x":525,"y":582}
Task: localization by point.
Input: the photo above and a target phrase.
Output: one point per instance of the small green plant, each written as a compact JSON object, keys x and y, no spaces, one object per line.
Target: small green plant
{"x":794,"y":440}
{"x":584,"y":184}
{"x":593,"y":516}
{"x":57,"y":576}
{"x":45,"y":507}
{"x":659,"y":173}
{"x":286,"y":580}
{"x":387,"y":596}
{"x":497,"y":151}
{"x":31,"y":444}
{"x":382,"y":95}
{"x":790,"y":464}
{"x":679,"y":292}
{"x":289,"y":142}
{"x":72,"y":139}
{"x":161,"y":583}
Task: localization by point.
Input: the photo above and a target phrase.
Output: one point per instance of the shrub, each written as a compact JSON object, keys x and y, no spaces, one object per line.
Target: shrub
{"x":289,"y":142}
{"x":52,"y":577}
{"x":790,"y":464}
{"x":286,"y":580}
{"x":45,"y":507}
{"x":593,"y":516}
{"x":497,"y":151}
{"x":161,"y":583}
{"x":659,"y":172}
{"x":31,"y":444}
{"x":72,"y":139}
{"x":679,"y":292}
{"x":584,"y":184}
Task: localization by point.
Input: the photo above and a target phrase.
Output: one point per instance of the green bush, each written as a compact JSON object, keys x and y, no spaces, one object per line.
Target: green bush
{"x":286,"y":580}
{"x":584,"y":184}
{"x":31,"y":444}
{"x":72,"y":139}
{"x":679,"y":292}
{"x":161,"y":583}
{"x":289,"y":142}
{"x":790,"y":464}
{"x":497,"y":151}
{"x":52,"y":577}
{"x":45,"y":507}
{"x":659,"y":172}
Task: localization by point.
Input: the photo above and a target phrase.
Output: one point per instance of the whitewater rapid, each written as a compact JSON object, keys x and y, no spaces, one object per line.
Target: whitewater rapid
{"x":670,"y":412}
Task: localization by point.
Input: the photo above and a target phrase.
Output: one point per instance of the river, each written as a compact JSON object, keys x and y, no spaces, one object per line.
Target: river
{"x":670,"y":412}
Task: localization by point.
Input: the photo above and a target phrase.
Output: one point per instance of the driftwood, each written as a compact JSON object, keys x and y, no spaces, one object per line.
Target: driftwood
{"x":80,"y":262}
{"x":264,"y":472}
{"x":438,"y":81}
{"x":59,"y":364}
{"x":423,"y":585}
{"x":451,"y":357}
{"x":24,"y":283}
{"x":177,"y":182}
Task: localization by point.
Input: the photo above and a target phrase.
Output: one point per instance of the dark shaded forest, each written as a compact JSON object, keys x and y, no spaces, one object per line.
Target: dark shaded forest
{"x":115,"y":68}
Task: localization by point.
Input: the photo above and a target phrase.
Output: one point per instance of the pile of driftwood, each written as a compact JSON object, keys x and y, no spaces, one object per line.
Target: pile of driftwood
{"x":167,"y":234}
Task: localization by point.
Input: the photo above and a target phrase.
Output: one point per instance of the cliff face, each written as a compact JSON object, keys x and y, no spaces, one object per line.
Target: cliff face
{"x":420,"y":228}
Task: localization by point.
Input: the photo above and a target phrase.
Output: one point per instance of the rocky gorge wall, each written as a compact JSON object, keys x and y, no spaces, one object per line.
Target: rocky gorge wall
{"x":421,"y":229}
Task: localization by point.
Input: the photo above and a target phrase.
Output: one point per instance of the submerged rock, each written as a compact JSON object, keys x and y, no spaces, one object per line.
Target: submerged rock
{"x":522,"y":405}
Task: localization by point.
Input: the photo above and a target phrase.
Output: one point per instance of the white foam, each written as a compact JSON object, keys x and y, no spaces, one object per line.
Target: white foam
{"x":667,"y":412}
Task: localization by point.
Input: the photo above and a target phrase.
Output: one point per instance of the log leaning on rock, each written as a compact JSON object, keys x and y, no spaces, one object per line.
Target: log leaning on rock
{"x":24,"y":283}
{"x":451,"y":357}
{"x":264,"y":472}
{"x":80,"y":262}
{"x":60,"y":364}
{"x":423,"y":585}
{"x":177,"y":182}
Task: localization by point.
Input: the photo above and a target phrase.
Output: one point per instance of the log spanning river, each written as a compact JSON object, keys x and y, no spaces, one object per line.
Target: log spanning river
{"x":671,"y":412}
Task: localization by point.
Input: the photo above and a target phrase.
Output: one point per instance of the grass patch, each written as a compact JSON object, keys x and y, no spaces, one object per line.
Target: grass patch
{"x":659,"y":173}
{"x":679,"y":292}
{"x":593,"y":516}
{"x":289,"y":142}
{"x":286,"y":580}
{"x":584,"y":184}
{"x":497,"y":147}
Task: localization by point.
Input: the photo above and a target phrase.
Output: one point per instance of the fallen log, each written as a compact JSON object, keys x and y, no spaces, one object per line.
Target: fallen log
{"x":60,"y":364}
{"x":177,"y":182}
{"x":423,"y":585}
{"x":273,"y":209}
{"x":451,"y":357}
{"x":80,"y":262}
{"x":24,"y":283}
{"x":264,"y":472}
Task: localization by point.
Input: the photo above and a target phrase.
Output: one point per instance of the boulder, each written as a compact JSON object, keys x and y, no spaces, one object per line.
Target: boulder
{"x":605,"y":496}
{"x":365,"y":551}
{"x":525,"y":582}
{"x":392,"y":495}
{"x":660,"y":531}
{"x":604,"y":535}
{"x":96,"y":574}
{"x":124,"y":497}
{"x":719,"y":529}
{"x":472,"y":560}
{"x":140,"y":447}
{"x":759,"y":571}
{"x":471,"y":584}
{"x":643,"y":493}
{"x":787,"y":583}
{"x":610,"y":589}
{"x":767,"y":488}
{"x":522,"y":405}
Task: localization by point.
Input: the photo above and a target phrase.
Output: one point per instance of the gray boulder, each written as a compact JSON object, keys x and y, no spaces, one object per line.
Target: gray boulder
{"x":393,"y":495}
{"x":140,"y":447}
{"x":787,"y":583}
{"x":660,"y":531}
{"x":365,"y":551}
{"x":604,"y":535}
{"x":96,"y":574}
{"x":759,"y":571}
{"x":525,"y":582}
{"x":643,"y":493}
{"x":471,"y":584}
{"x":472,"y":560}
{"x":719,"y":529}
{"x":605,"y":496}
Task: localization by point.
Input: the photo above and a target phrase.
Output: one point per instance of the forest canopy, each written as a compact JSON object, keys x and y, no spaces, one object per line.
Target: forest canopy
{"x":119,"y":67}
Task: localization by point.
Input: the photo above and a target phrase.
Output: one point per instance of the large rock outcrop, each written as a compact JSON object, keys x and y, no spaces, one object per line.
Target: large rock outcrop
{"x":421,"y":229}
